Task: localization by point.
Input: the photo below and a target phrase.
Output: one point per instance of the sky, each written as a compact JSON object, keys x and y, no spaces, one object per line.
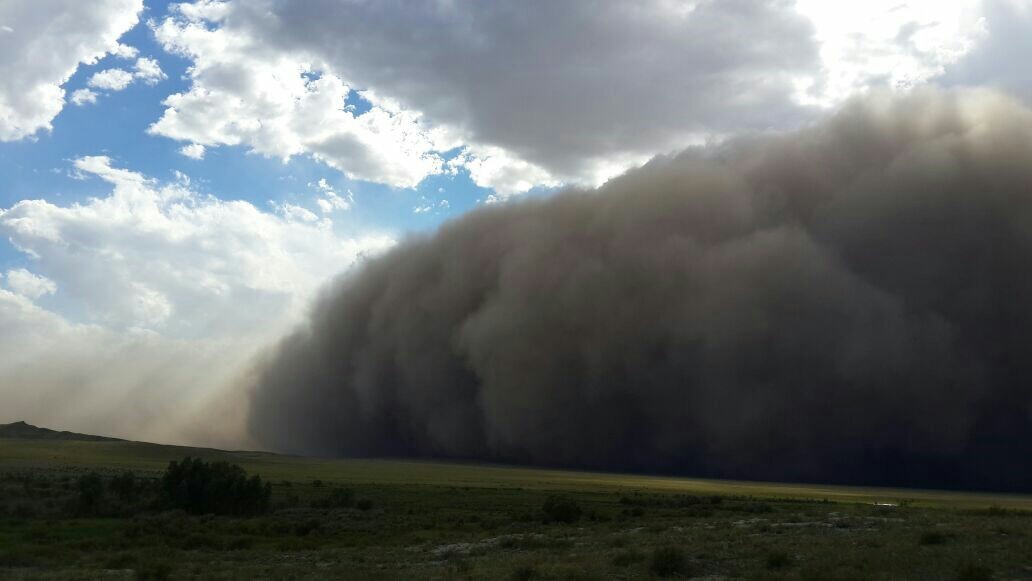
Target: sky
{"x":179,"y":180}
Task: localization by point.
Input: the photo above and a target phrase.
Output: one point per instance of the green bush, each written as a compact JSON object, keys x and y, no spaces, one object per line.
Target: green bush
{"x":524,"y":573}
{"x":307,"y":527}
{"x":974,"y":572}
{"x":124,"y":486}
{"x":91,"y":492}
{"x":667,"y":561}
{"x":120,"y":495}
{"x":778,"y":560}
{"x":24,"y":511}
{"x":338,"y":498}
{"x":120,"y":561}
{"x":756,"y":507}
{"x":561,"y":509}
{"x":200,"y":487}
{"x":197,"y":542}
{"x":240,"y":544}
{"x":154,"y":570}
{"x":627,"y":558}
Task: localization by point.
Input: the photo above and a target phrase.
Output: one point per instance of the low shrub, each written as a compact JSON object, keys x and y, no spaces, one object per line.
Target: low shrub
{"x":338,"y":498}
{"x":627,"y":558}
{"x":524,"y":573}
{"x":197,"y":542}
{"x":154,"y":570}
{"x":307,"y":527}
{"x":90,"y":492}
{"x":667,"y":561}
{"x":124,"y":486}
{"x":120,"y":561}
{"x":756,"y":507}
{"x":974,"y":572}
{"x":240,"y":544}
{"x":561,"y":509}
{"x":778,"y":560}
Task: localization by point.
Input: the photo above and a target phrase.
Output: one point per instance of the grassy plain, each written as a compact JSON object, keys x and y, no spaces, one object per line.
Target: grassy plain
{"x":424,"y":520}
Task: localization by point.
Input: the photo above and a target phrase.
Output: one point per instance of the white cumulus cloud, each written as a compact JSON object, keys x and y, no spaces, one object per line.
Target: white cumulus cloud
{"x":193,"y":151}
{"x":149,"y":71}
{"x":83,"y":96}
{"x":146,"y":70}
{"x":280,"y":104}
{"x":331,"y":200}
{"x":149,"y":251}
{"x":111,"y":79}
{"x":29,"y":285}
{"x":888,"y":43}
{"x":44,"y":43}
{"x":124,"y":51}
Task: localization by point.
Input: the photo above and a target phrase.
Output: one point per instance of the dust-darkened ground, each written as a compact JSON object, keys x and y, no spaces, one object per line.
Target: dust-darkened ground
{"x":408,"y":520}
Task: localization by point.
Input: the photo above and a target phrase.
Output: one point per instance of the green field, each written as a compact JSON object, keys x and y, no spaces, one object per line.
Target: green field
{"x":423,"y":520}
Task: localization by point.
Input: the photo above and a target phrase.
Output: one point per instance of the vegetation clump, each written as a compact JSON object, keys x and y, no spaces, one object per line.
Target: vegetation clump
{"x":200,"y":487}
{"x":524,"y":573}
{"x":778,"y":560}
{"x":91,"y":492}
{"x":974,"y":572}
{"x":338,"y":498}
{"x":561,"y":509}
{"x":96,"y":495}
{"x":667,"y":562}
{"x":933,"y":538}
{"x":627,"y":558}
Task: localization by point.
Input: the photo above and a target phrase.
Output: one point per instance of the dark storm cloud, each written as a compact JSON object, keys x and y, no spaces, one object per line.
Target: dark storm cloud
{"x":846,"y":303}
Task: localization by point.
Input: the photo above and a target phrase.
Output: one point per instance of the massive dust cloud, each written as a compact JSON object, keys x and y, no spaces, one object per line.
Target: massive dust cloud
{"x":848,"y":303}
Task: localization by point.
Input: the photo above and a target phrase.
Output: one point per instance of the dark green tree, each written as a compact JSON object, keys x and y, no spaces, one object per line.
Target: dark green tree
{"x":201,"y":487}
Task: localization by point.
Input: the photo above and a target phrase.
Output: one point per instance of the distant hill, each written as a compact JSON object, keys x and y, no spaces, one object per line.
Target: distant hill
{"x":26,"y":431}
